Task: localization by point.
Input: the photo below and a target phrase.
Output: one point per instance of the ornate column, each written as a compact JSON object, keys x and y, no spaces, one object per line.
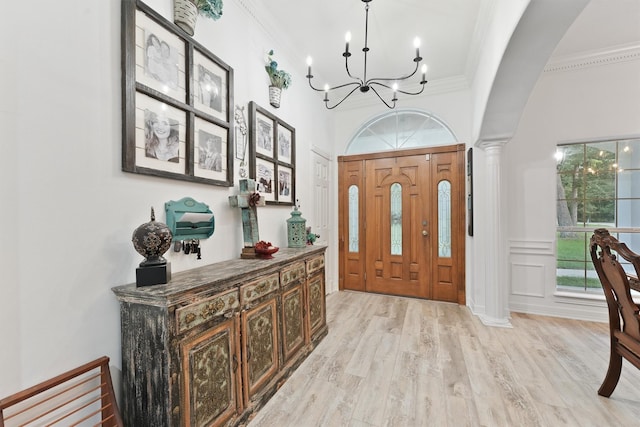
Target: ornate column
{"x":496,"y":290}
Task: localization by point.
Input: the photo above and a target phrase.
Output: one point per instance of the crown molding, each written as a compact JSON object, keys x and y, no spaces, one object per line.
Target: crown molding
{"x":594,"y":58}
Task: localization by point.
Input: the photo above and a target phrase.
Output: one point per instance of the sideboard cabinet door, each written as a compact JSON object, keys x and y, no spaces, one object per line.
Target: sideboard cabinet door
{"x":316,"y":300}
{"x":210,"y":375}
{"x":259,"y":346}
{"x":293,"y":329}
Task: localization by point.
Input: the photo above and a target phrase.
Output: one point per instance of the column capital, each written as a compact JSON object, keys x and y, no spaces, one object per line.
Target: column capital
{"x":493,"y":142}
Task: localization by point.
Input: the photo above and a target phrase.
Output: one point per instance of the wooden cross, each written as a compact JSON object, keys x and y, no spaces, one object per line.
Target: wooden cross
{"x":247,"y":200}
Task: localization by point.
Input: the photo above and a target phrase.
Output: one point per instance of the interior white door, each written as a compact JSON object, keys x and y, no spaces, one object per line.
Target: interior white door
{"x":320,"y":223}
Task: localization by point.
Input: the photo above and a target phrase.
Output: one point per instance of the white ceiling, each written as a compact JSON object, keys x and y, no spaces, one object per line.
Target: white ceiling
{"x":450,"y":31}
{"x":445,"y":27}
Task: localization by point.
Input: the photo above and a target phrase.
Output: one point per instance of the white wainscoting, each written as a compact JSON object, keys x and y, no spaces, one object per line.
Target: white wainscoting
{"x":532,"y":285}
{"x":527,"y":279}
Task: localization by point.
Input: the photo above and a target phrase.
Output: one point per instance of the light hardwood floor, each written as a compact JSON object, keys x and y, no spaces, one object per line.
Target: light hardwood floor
{"x":391,"y":361}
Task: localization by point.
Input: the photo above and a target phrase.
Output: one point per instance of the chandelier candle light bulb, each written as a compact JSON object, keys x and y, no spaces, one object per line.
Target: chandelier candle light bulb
{"x":347,"y":39}
{"x":416,"y":44}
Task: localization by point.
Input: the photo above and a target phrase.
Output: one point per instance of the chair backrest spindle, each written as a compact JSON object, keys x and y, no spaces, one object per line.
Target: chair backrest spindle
{"x":81,"y":396}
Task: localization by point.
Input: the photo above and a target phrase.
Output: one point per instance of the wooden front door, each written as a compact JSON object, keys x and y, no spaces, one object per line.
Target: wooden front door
{"x":402,"y":223}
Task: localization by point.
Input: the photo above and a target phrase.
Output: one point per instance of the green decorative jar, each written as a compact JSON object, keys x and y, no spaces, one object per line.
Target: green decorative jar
{"x":297,"y":229}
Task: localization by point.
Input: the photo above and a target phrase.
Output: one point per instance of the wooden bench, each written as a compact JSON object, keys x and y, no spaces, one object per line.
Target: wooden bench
{"x":624,"y":317}
{"x":81,"y":396}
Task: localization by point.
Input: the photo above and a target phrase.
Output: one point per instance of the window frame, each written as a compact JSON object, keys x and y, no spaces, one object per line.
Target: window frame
{"x":583,"y":224}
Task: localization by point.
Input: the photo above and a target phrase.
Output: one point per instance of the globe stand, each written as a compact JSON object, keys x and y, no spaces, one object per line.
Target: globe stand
{"x":153,"y":275}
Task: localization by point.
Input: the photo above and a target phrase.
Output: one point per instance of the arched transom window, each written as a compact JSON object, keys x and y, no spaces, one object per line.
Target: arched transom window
{"x":400,"y":130}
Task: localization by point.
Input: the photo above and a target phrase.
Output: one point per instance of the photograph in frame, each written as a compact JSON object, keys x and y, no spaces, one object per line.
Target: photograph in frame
{"x":210,"y":150}
{"x":284,"y":144}
{"x":211,"y":89}
{"x":160,"y":135}
{"x":285,"y":184}
{"x":160,"y":58}
{"x":265,"y":179}
{"x":264,"y":135}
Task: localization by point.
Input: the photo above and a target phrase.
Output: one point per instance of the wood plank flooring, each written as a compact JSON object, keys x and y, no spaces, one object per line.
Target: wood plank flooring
{"x":390,"y":361}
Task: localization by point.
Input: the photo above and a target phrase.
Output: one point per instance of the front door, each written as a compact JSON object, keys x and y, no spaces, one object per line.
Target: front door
{"x":402,"y":223}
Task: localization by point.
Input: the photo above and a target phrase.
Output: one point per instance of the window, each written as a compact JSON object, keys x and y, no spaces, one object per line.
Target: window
{"x":598,"y":186}
{"x":444,"y":219}
{"x":399,"y":130}
{"x":396,"y":218}
{"x":354,"y":214}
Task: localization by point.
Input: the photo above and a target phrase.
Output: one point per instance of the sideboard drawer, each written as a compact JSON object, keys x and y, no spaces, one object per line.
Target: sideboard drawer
{"x":259,"y":288}
{"x":292,"y":274}
{"x":315,"y":264}
{"x":193,"y":315}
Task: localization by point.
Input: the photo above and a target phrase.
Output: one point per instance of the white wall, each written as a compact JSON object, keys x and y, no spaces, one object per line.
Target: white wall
{"x":598,"y":99}
{"x":68,"y":208}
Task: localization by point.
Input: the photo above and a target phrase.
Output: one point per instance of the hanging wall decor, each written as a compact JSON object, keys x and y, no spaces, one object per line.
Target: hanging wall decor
{"x":279,"y":79}
{"x":272,"y":156}
{"x":177,"y":102}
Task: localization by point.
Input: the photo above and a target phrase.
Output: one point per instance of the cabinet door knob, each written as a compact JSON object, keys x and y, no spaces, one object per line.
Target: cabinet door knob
{"x":425,"y":233}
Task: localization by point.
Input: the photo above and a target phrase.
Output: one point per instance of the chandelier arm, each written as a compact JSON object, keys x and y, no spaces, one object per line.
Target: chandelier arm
{"x":312,"y":87}
{"x":379,"y":84}
{"x":382,"y":99}
{"x":414,"y":93}
{"x":398,"y":90}
{"x":373,"y":79}
{"x":346,"y":65}
{"x":357,"y":84}
{"x":326,"y":102}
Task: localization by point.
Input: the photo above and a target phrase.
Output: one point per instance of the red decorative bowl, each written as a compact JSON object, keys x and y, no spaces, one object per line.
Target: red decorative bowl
{"x":266,"y":253}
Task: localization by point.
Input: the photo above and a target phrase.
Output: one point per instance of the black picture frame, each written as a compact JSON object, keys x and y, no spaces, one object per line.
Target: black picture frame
{"x":272,"y":151}
{"x":169,"y":126}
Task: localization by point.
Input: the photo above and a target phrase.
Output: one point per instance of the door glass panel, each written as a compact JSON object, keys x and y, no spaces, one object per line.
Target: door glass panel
{"x":353,"y":219}
{"x":444,"y":219}
{"x":396,"y":219}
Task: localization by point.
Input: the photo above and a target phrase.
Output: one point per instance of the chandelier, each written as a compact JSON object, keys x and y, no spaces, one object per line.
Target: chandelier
{"x":373,"y":84}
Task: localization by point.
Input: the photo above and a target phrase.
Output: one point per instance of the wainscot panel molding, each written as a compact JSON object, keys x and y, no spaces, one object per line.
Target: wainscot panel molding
{"x":215,"y":343}
{"x":527,"y":279}
{"x":532,"y":247}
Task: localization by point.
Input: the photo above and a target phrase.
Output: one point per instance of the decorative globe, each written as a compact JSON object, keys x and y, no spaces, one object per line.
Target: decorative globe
{"x":152,"y":240}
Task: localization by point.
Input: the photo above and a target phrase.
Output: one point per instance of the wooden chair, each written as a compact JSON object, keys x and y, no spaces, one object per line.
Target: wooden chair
{"x":624,"y":320}
{"x":82,"y":396}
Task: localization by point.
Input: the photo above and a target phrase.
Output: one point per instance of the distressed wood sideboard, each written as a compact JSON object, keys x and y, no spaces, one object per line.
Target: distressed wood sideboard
{"x":214,"y":344}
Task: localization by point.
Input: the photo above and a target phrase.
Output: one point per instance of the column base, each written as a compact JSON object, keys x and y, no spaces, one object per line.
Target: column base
{"x":494,"y":321}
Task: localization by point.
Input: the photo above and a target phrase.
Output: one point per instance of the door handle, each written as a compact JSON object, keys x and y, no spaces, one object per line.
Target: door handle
{"x":425,"y":233}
